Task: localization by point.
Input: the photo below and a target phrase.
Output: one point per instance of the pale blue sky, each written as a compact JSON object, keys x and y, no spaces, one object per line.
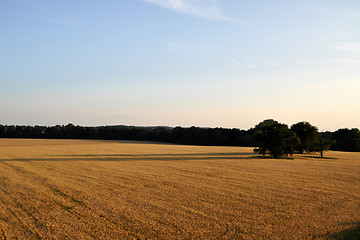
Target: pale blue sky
{"x":208,"y":63}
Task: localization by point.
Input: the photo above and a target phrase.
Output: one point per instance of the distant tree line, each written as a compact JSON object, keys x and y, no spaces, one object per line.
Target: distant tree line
{"x":189,"y":136}
{"x":270,"y":136}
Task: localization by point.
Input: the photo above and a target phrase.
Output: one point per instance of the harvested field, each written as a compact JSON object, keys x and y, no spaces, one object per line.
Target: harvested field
{"x":78,"y":189}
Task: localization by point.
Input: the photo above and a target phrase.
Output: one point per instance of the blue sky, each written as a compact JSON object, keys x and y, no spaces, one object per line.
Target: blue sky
{"x":207,"y":63}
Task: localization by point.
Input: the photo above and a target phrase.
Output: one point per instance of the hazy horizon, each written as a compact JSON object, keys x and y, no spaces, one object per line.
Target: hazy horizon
{"x":205,"y":63}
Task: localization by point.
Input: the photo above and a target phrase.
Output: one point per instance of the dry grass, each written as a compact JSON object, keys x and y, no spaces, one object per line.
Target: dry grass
{"x":76,"y":189}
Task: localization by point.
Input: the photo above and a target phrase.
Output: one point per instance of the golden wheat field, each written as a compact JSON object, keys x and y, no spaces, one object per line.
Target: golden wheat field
{"x":78,"y":189}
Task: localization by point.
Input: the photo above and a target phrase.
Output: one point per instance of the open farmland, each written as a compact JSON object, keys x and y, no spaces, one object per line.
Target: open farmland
{"x":77,"y":189}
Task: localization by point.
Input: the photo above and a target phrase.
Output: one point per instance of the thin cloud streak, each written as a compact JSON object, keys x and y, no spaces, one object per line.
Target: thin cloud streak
{"x":173,"y":46}
{"x":255,"y":62}
{"x":348,"y":47}
{"x":206,"y":9}
{"x":63,"y":21}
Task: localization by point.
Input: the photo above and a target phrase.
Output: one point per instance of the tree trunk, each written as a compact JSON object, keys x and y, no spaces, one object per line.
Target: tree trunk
{"x":321,"y":147}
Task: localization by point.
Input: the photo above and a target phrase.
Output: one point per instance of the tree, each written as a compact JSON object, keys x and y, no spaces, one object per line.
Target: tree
{"x":275,"y":139}
{"x":2,"y":130}
{"x":347,"y":140}
{"x":322,"y":146}
{"x":308,"y":135}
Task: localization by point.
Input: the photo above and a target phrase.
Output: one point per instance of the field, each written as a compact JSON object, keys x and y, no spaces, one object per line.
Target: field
{"x":78,"y":189}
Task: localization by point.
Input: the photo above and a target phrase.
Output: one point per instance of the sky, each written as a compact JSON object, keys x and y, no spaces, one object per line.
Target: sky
{"x":206,"y":63}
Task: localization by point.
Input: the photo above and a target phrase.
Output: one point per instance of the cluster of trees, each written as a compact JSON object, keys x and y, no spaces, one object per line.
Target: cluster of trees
{"x":346,"y":140}
{"x":270,"y":136}
{"x":277,"y":140}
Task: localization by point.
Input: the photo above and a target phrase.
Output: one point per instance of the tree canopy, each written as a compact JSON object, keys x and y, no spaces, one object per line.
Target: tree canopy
{"x":308,"y":136}
{"x":347,"y":140}
{"x":275,"y":139}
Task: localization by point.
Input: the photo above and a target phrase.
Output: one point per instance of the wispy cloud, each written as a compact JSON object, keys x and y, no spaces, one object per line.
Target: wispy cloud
{"x":251,"y":66}
{"x":239,"y":64}
{"x":349,"y":11}
{"x":255,"y":62}
{"x":173,"y":46}
{"x":33,"y":3}
{"x":236,"y":63}
{"x":344,"y":61}
{"x":206,"y":9}
{"x":274,"y":63}
{"x":59,"y":21}
{"x":348,"y":47}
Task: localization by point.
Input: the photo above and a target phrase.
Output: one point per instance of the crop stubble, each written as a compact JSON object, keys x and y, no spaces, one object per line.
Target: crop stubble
{"x":78,"y":189}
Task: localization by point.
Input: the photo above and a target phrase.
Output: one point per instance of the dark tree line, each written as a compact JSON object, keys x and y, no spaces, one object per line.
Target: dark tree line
{"x":346,"y":140}
{"x":189,"y":136}
{"x":269,"y":134}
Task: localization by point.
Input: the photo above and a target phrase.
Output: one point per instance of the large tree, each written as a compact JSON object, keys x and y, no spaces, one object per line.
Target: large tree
{"x":308,"y":135}
{"x":275,"y":139}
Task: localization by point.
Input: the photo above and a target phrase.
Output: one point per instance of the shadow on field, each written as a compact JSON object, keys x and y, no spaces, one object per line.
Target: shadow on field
{"x":352,"y":233}
{"x":143,"y":157}
{"x":159,"y":155}
{"x":320,"y":157}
